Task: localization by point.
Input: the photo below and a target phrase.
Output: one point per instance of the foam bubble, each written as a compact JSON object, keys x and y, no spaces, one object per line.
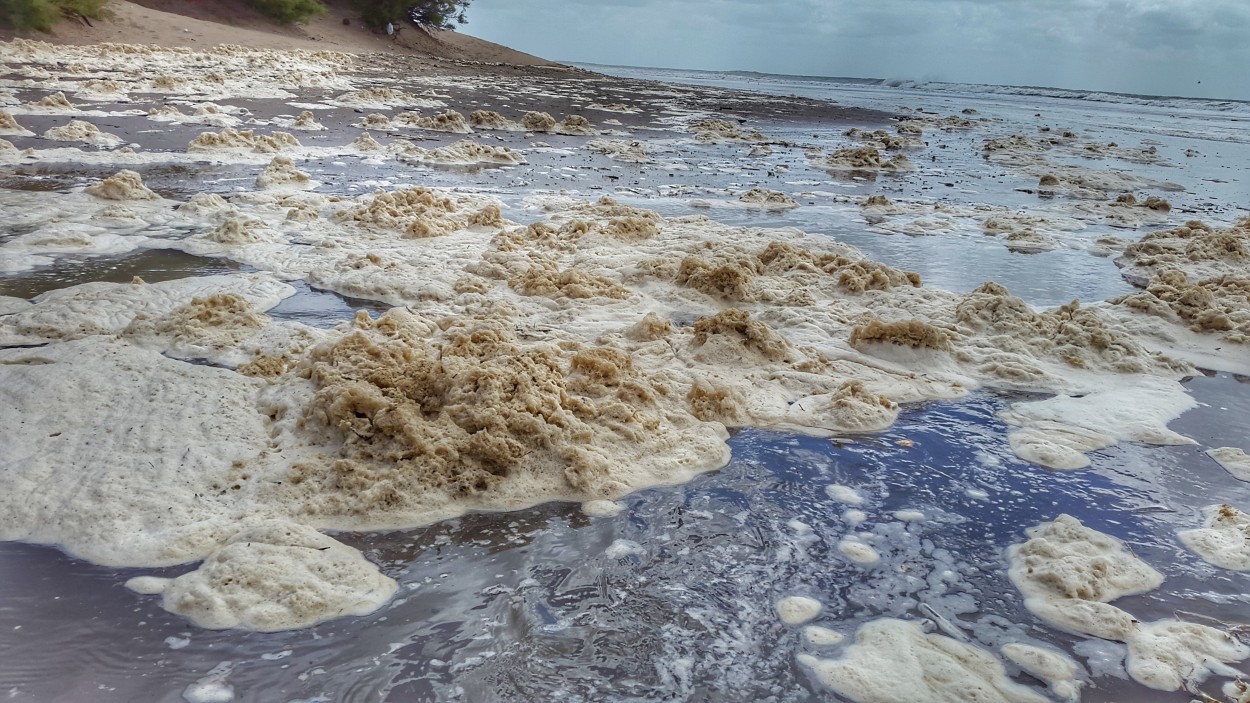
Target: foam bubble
{"x":796,"y":610}
{"x":858,"y":552}
{"x":844,"y":494}
{"x":817,"y":636}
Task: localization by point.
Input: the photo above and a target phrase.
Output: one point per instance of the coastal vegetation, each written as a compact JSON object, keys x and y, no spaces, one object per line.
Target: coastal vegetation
{"x":289,"y":11}
{"x":432,"y":14}
{"x":42,"y":14}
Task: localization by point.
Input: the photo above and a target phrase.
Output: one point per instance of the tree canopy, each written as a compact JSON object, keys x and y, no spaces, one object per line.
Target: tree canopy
{"x":436,"y":14}
{"x":289,"y":11}
{"x":42,"y":14}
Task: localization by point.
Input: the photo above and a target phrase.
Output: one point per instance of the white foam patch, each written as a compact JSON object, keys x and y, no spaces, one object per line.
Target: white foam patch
{"x":227,"y":306}
{"x":891,"y":661}
{"x":213,"y":687}
{"x":1224,"y":538}
{"x":1057,"y":432}
{"x":796,"y":610}
{"x":624,"y":548}
{"x":82,"y":131}
{"x":1056,"y":669}
{"x":858,"y":552}
{"x":177,"y":642}
{"x":602,"y":508}
{"x":276,"y":576}
{"x":1069,"y":574}
{"x":120,"y":510}
{"x":464,"y":153}
{"x":816,"y":636}
{"x":10,"y":304}
{"x":799,"y":527}
{"x":844,"y":494}
{"x":1166,"y":655}
{"x":854,"y":517}
{"x":619,"y":150}
{"x":1234,"y":460}
{"x":1237,"y":691}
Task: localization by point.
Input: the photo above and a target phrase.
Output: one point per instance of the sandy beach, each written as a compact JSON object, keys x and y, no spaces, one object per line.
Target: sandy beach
{"x":620,"y":385}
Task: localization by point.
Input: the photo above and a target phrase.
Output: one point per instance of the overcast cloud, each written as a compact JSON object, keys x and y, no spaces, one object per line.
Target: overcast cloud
{"x":1193,"y":48}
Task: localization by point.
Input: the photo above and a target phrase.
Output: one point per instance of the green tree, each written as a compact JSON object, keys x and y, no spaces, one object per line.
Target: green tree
{"x":289,"y":11}
{"x":42,"y":14}
{"x":438,"y":14}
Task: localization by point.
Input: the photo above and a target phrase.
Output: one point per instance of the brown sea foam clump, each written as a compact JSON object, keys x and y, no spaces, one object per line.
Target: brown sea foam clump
{"x":415,"y":212}
{"x":908,"y":137}
{"x":8,"y":125}
{"x":219,"y":321}
{"x":1210,"y":305}
{"x":620,"y":150}
{"x":1194,"y":275}
{"x":465,"y":151}
{"x":650,"y":328}
{"x":544,"y":277}
{"x":751,"y":334}
{"x":244,"y":140}
{"x":56,"y":100}
{"x":423,"y":418}
{"x":375,"y":121}
{"x":710,"y":402}
{"x":1080,"y":336}
{"x":366,"y":142}
{"x":575,"y":125}
{"x":765,"y":197}
{"x":716,"y":130}
{"x":738,"y":275}
{"x":865,"y":158}
{"x":616,"y":220}
{"x":489,"y":119}
{"x":81,"y":131}
{"x":449,"y":121}
{"x":721,"y":277}
{"x":123,"y":185}
{"x":281,"y":172}
{"x":916,"y":334}
{"x":538,"y":122}
{"x":307,"y":120}
{"x":238,"y":230}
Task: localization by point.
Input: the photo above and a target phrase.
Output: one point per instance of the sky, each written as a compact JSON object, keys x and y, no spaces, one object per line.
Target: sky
{"x":1192,"y":48}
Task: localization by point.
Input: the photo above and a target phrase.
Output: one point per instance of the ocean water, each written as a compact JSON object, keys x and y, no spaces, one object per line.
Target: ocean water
{"x":673,"y":598}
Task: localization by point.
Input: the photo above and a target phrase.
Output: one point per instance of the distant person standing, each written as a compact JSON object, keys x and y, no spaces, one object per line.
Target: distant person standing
{"x":390,"y":30}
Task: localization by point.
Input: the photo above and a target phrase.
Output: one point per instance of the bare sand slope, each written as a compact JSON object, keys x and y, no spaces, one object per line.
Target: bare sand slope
{"x":205,"y":23}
